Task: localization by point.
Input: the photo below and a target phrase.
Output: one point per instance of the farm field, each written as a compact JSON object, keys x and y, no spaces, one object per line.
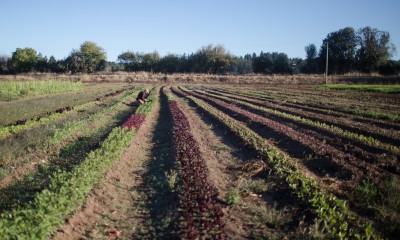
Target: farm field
{"x":200,"y":162}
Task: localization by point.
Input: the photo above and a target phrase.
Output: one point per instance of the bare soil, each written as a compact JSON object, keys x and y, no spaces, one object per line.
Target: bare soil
{"x":225,"y":154}
{"x":111,"y":207}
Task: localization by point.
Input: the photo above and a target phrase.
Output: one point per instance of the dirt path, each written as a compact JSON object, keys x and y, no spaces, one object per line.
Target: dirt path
{"x":119,"y":206}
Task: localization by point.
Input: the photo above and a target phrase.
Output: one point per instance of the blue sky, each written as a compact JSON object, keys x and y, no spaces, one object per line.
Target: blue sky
{"x":55,"y":27}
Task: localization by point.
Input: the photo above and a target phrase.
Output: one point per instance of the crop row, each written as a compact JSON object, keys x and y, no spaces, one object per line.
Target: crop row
{"x":24,"y":124}
{"x":111,"y":94}
{"x":201,"y":214}
{"x":337,"y":130}
{"x":318,"y":146}
{"x":72,"y":127}
{"x":339,"y":121}
{"x":272,"y":96}
{"x":337,"y":220}
{"x":28,"y":175}
{"x":346,"y":158}
{"x":66,"y":191}
{"x":53,"y":143}
{"x":136,"y":119}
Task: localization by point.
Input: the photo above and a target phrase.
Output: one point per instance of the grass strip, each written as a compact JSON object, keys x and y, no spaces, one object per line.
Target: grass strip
{"x":13,"y":89}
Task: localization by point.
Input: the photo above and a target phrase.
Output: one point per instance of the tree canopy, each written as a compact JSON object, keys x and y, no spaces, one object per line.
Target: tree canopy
{"x":342,"y":46}
{"x":24,"y":59}
{"x":375,"y":49}
{"x":89,"y":58}
{"x":135,"y":61}
{"x":366,"y":50}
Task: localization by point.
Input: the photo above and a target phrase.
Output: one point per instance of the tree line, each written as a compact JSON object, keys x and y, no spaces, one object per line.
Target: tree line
{"x":366,"y":50}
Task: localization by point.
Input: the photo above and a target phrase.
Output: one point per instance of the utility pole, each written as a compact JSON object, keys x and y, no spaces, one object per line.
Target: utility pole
{"x":326,"y":68}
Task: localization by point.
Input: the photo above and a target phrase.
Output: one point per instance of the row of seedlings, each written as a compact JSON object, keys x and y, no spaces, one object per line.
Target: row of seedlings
{"x":347,"y":159}
{"x":368,"y":140}
{"x":329,"y":118}
{"x":201,"y":215}
{"x":375,"y":116}
{"x":24,"y":124}
{"x":61,"y":137}
{"x":319,"y":147}
{"x":67,"y":190}
{"x":338,"y":221}
{"x":136,"y":119}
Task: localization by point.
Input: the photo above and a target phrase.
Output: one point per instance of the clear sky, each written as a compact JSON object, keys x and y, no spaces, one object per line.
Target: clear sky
{"x":55,"y":27}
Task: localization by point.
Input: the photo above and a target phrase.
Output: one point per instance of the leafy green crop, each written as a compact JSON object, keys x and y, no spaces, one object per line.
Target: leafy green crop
{"x":364,"y":88}
{"x":331,"y":210}
{"x":66,"y":191}
{"x":365,"y":139}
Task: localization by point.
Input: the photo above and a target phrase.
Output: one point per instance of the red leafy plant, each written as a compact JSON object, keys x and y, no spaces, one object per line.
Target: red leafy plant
{"x":135,"y":120}
{"x":201,"y":215}
{"x":59,"y":110}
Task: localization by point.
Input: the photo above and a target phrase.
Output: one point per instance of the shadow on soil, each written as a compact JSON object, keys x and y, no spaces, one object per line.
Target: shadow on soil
{"x":279,"y":195}
{"x":160,"y":201}
{"x":23,"y":191}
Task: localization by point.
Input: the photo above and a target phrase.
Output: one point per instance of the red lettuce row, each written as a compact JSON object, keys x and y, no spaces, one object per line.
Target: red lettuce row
{"x":201,"y":215}
{"x":135,"y":120}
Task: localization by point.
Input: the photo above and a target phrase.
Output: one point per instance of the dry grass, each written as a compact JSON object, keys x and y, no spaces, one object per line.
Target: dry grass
{"x":147,"y":77}
{"x":250,"y":168}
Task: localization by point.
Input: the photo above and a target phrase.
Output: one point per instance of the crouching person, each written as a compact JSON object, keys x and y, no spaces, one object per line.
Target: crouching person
{"x":142,"y":97}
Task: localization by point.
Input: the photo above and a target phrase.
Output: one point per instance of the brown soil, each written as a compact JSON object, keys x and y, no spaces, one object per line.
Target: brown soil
{"x":332,"y":103}
{"x":223,"y":152}
{"x":25,"y":163}
{"x":346,"y":189}
{"x":135,"y":201}
{"x":111,"y":206}
{"x":344,"y":121}
{"x":370,"y":160}
{"x":374,"y":156}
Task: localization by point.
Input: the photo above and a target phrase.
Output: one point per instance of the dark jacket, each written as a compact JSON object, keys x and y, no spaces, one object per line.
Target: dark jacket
{"x":141,"y":95}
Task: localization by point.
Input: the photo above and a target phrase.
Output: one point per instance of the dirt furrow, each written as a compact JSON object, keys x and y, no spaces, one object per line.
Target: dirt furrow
{"x":386,"y":135}
{"x":376,"y":157}
{"x":266,"y":211}
{"x":116,"y":207}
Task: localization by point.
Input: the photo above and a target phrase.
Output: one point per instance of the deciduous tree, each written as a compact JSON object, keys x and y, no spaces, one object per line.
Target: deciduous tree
{"x":93,"y":56}
{"x":24,"y":60}
{"x":5,"y":64}
{"x":89,"y":58}
{"x":375,"y":49}
{"x":311,"y":62}
{"x":169,"y":64}
{"x":212,"y":59}
{"x":342,"y":46}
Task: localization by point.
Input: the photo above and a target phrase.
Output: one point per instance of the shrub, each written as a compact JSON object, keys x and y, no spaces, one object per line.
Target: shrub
{"x":232,"y":196}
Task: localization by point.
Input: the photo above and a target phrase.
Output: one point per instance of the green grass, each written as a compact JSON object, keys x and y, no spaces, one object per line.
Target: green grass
{"x":364,"y":88}
{"x":10,"y":90}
